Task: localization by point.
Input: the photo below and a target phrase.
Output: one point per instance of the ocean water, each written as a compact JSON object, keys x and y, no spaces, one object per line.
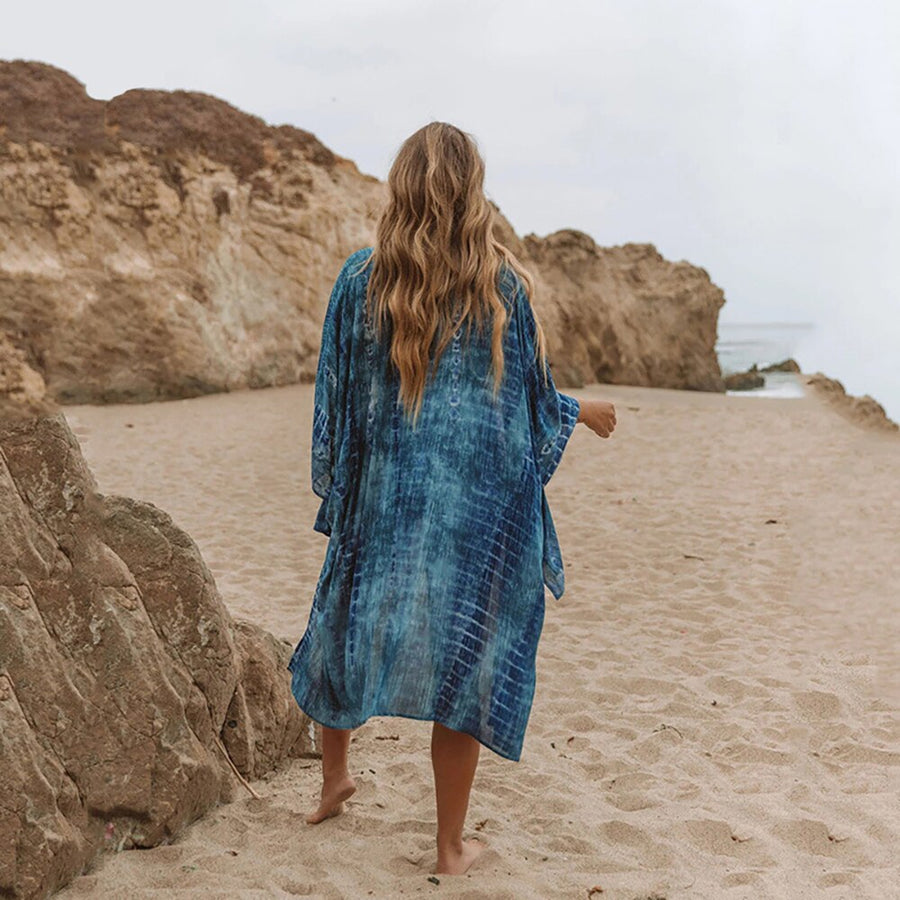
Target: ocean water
{"x":865,"y":359}
{"x":740,"y":345}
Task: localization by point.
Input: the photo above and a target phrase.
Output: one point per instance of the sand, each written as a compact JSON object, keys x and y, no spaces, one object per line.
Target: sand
{"x":716,"y":712}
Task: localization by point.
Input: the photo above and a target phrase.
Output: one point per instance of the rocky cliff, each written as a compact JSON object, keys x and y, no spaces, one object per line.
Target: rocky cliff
{"x":622,"y":315}
{"x":165,"y":244}
{"x":130,"y":701}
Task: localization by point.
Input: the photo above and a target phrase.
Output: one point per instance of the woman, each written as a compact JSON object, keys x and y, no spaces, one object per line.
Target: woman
{"x":436,"y":426}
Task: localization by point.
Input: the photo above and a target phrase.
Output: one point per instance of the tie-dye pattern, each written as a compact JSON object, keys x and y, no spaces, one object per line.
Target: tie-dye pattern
{"x":430,"y":601}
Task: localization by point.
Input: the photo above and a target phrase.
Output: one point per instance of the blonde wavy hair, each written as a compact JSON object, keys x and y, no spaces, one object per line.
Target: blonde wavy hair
{"x":435,"y":263}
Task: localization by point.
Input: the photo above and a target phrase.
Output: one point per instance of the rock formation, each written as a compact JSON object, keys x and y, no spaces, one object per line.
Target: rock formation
{"x":865,"y":410}
{"x":745,"y":381}
{"x":622,"y":315}
{"x":786,"y":365}
{"x":165,"y":244}
{"x":22,"y":390}
{"x":129,"y":698}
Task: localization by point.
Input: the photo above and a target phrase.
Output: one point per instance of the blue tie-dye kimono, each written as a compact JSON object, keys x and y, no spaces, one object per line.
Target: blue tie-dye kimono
{"x":430,"y":601}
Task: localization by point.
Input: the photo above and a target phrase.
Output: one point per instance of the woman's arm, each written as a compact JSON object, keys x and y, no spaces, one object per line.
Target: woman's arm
{"x":598,"y":415}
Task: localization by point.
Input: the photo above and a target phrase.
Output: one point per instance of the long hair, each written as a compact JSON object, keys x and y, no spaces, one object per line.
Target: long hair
{"x":435,"y":263}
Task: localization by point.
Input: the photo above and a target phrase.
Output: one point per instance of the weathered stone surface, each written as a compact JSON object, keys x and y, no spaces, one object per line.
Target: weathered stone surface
{"x":22,"y":390}
{"x":745,"y":381}
{"x":864,"y":410}
{"x":786,"y":365}
{"x":123,"y":678}
{"x":261,"y":725}
{"x":622,"y":315}
{"x":165,"y":244}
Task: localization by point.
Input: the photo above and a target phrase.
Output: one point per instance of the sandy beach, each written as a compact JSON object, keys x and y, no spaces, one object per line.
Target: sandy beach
{"x":716,"y":713}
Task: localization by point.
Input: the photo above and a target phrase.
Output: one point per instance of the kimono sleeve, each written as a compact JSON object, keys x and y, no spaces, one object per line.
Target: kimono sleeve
{"x":332,"y":373}
{"x":553,"y":414}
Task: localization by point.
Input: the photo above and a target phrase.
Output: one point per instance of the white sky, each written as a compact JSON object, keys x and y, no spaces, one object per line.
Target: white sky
{"x":759,"y":140}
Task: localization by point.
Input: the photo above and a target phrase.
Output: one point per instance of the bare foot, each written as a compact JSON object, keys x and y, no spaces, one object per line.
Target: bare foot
{"x":457,"y":862}
{"x":334,"y":793}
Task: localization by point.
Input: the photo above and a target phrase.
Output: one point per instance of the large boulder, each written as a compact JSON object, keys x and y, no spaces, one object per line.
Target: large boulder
{"x":165,"y":244}
{"x":130,"y":701}
{"x":22,"y":389}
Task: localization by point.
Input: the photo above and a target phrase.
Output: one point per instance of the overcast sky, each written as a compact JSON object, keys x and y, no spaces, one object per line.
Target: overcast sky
{"x":759,"y":140}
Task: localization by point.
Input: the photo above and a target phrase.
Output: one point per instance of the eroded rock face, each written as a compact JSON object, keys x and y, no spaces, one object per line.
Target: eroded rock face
{"x":622,"y":315}
{"x":165,"y":244}
{"x":22,"y":390}
{"x":865,"y":410}
{"x":124,"y":681}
